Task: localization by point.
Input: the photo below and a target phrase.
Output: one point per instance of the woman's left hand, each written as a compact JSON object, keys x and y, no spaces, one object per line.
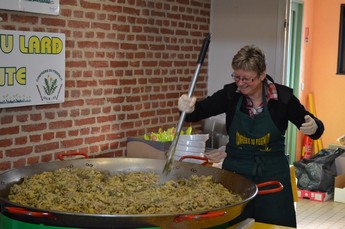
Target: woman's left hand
{"x":216,"y":155}
{"x":309,"y":127}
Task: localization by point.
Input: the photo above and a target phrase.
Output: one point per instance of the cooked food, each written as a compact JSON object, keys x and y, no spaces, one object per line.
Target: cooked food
{"x":91,"y":191}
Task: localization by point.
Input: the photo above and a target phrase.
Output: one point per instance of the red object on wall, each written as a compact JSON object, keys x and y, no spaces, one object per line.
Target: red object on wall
{"x":306,"y":34}
{"x":308,"y":147}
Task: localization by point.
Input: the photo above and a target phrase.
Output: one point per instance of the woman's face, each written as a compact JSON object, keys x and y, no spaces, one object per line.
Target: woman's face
{"x":248,"y":82}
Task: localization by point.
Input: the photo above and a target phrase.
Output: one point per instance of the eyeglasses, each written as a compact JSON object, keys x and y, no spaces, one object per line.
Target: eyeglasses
{"x":243,"y":79}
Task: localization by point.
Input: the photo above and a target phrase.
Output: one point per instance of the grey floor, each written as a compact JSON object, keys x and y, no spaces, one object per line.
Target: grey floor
{"x":323,"y":215}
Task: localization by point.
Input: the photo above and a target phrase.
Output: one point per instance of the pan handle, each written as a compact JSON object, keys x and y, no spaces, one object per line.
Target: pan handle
{"x":23,"y":211}
{"x":269,"y":191}
{"x":207,"y":215}
{"x":62,"y":156}
{"x":195,"y":157}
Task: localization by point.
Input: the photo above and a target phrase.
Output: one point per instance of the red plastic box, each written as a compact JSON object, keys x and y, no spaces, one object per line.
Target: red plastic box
{"x":314,"y":196}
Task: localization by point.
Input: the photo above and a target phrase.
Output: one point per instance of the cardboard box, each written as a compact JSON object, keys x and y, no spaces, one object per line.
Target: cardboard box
{"x":340,"y":164}
{"x":339,"y":182}
{"x":140,"y":148}
{"x":314,"y":196}
{"x":339,"y":188}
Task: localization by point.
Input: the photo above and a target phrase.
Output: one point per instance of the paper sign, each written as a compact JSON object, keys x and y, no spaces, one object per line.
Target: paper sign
{"x":35,"y":6}
{"x":32,"y":68}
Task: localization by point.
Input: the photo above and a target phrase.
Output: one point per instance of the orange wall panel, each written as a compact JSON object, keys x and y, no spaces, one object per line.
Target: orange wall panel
{"x":318,"y":71}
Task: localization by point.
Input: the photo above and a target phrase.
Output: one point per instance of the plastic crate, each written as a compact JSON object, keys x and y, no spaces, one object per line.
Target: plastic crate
{"x":314,"y":196}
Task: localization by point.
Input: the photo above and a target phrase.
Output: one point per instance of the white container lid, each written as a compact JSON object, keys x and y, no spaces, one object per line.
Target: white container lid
{"x":195,"y":137}
{"x":190,"y":149}
{"x":191,"y":143}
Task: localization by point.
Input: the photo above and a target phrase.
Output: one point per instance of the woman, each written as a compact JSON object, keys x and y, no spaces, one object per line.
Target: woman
{"x":257,"y":114}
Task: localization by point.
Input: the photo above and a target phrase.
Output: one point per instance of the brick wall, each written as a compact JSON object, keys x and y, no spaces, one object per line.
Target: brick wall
{"x":127,"y":62}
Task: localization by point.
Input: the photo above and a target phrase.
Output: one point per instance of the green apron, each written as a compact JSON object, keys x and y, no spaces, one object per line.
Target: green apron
{"x":256,"y":151}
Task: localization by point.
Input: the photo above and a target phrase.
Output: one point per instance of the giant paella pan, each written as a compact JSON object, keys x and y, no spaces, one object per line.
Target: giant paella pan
{"x":192,"y":219}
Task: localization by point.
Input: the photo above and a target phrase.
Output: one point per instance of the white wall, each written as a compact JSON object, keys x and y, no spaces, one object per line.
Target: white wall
{"x":235,"y":23}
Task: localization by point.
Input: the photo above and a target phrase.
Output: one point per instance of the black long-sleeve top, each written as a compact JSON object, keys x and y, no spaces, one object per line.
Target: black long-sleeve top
{"x":286,"y":108}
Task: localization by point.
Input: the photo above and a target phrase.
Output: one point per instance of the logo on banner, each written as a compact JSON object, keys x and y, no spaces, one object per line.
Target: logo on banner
{"x":49,"y":84}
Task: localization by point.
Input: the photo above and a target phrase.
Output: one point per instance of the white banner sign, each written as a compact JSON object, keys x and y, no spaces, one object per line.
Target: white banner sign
{"x":35,"y":6}
{"x":32,"y":68}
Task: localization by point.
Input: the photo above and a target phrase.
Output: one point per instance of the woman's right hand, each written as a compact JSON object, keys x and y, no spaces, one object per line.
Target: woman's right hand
{"x":186,"y":104}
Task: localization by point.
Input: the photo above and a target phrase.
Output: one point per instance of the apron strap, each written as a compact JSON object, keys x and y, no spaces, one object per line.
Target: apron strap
{"x":257,"y":167}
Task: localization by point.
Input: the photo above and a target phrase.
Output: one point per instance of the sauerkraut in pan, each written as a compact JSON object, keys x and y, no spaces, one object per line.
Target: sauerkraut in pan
{"x":91,"y":191}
